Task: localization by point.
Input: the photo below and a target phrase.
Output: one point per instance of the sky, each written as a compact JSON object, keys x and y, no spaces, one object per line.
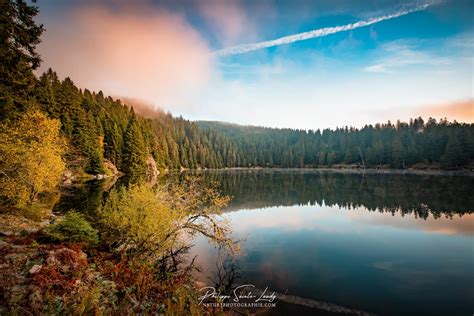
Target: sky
{"x":303,"y":64}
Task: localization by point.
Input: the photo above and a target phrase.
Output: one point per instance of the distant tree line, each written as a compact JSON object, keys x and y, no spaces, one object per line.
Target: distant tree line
{"x":400,"y":145}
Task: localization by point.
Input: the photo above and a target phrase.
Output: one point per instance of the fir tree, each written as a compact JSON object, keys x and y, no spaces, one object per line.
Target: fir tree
{"x":134,"y":151}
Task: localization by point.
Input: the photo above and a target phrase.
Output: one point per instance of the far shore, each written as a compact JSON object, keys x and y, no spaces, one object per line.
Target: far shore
{"x":424,"y":171}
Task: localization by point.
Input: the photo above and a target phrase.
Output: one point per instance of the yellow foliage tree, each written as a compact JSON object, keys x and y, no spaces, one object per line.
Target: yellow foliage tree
{"x":30,"y":157}
{"x":141,"y":220}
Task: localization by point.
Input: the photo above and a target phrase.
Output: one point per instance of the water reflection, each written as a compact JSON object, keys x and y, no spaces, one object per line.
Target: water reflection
{"x":383,"y":243}
{"x":316,"y":235}
{"x":404,"y":193}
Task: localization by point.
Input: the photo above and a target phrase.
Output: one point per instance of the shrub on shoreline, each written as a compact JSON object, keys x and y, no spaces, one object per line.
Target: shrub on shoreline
{"x":73,"y":228}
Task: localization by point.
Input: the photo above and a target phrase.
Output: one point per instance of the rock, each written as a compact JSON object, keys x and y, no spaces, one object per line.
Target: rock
{"x":151,"y":169}
{"x":36,"y":268}
{"x":111,"y":167}
{"x":46,"y":222}
{"x":67,"y":175}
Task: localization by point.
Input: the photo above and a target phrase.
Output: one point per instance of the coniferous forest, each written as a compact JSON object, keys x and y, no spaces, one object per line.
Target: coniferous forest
{"x":100,"y":127}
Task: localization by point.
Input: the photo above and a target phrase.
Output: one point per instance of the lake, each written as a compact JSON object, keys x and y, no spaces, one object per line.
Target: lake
{"x":381,"y":243}
{"x":388,"y":244}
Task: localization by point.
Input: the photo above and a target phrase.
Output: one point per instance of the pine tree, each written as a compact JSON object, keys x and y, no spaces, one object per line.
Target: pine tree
{"x":322,"y":158}
{"x":19,"y":35}
{"x":398,"y":159}
{"x":331,"y":158}
{"x":348,"y":156}
{"x":453,"y":154}
{"x":112,"y":142}
{"x":134,"y":151}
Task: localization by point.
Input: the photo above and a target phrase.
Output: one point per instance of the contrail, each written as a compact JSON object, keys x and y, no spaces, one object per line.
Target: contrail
{"x":244,"y":48}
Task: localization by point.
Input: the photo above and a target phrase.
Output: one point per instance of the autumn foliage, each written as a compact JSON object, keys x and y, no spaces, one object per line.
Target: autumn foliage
{"x":30,"y":157}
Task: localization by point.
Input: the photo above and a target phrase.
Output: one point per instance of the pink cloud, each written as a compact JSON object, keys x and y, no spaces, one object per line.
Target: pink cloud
{"x":462,"y":111}
{"x":228,"y":19}
{"x":135,"y":52}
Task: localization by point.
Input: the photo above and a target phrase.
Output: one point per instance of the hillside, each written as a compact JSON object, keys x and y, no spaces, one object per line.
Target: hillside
{"x":400,"y":145}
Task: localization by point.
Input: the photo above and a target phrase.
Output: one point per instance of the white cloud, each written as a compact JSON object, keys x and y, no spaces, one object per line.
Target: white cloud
{"x":328,"y":92}
{"x":399,"y":54}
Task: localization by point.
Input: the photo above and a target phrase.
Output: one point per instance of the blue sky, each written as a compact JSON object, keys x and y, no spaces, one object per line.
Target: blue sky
{"x":419,"y":63}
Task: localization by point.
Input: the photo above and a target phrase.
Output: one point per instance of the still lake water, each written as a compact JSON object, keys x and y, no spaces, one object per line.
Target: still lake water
{"x":388,"y":244}
{"x":381,"y":243}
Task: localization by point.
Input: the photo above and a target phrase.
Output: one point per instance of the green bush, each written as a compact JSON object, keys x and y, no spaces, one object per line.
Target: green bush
{"x":74,"y":227}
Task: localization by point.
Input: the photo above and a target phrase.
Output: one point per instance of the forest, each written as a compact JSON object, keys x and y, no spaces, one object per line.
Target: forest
{"x":400,"y":145}
{"x":100,"y":127}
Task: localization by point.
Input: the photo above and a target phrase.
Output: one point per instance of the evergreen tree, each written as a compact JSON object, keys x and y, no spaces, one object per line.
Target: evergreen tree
{"x":398,"y":159}
{"x":322,"y":158}
{"x":453,"y":154}
{"x":348,"y":156}
{"x":331,"y":158}
{"x":134,"y":151}
{"x":19,"y":35}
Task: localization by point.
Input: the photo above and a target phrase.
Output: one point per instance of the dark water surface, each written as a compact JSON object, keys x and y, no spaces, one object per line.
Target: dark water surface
{"x":386,"y":244}
{"x":389,"y":244}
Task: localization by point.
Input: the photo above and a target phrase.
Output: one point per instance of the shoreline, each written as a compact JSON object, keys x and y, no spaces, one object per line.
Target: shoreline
{"x":441,"y":172}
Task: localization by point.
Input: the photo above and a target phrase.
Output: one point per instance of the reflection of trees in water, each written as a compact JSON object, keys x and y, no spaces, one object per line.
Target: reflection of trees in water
{"x":407,"y":194}
{"x":417,"y":194}
{"x":226,"y":272}
{"x":84,"y":197}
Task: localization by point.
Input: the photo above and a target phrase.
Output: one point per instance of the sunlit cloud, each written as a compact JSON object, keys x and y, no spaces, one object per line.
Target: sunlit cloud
{"x":397,"y":55}
{"x":134,"y":51}
{"x":228,"y":20}
{"x":160,"y":53}
{"x":456,"y":225}
{"x":462,"y":111}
